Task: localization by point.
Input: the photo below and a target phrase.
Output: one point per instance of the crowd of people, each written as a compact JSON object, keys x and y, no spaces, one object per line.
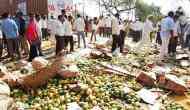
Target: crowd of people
{"x":21,"y":37}
{"x":173,"y":31}
{"x":170,"y":32}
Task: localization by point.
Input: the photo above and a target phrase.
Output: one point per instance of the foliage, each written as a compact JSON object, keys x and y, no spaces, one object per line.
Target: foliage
{"x":125,"y":6}
{"x":117,"y":6}
{"x":143,"y":10}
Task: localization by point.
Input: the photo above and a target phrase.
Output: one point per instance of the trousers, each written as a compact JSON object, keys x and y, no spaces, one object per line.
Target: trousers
{"x":81,"y":34}
{"x":164,"y":46}
{"x":69,"y":40}
{"x":24,"y":44}
{"x":118,"y":42}
{"x":13,"y":47}
{"x":60,"y":44}
{"x":173,"y":45}
{"x":187,"y":41}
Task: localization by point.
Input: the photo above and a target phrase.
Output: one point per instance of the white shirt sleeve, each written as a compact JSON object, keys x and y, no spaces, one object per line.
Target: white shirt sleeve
{"x":39,"y":32}
{"x":56,"y":27}
{"x":83,"y":23}
{"x":1,"y":34}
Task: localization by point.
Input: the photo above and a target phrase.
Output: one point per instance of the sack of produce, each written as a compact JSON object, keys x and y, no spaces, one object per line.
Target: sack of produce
{"x":3,"y":70}
{"x":73,"y":106}
{"x":7,"y":103}
{"x":69,"y":71}
{"x":38,"y":63}
{"x":68,"y":74}
{"x":11,"y":79}
{"x":95,"y":54}
{"x":4,"y":89}
{"x":109,"y":42}
{"x":100,"y":46}
{"x":21,"y":64}
{"x":146,"y":79}
{"x":57,"y":64}
{"x":37,"y":79}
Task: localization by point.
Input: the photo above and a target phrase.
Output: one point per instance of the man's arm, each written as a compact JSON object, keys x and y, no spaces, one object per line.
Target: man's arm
{"x":15,"y":28}
{"x":39,"y":32}
{"x":1,"y":34}
{"x":172,"y":33}
{"x":171,"y":27}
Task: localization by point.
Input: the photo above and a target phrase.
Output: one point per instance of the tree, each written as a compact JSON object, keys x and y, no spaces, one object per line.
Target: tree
{"x":117,"y":6}
{"x":127,"y":6}
{"x":143,"y":10}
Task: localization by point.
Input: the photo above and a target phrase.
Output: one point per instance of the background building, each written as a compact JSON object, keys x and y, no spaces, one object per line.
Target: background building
{"x":8,"y":6}
{"x":36,"y":6}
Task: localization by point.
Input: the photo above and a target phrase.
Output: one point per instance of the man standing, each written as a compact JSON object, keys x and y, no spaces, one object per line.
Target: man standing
{"x":80,"y":26}
{"x":51,"y":26}
{"x":147,"y":29}
{"x":69,"y":33}
{"x":38,"y":19}
{"x":187,"y":35}
{"x":86,"y":21}
{"x":107,"y":26}
{"x":182,"y":23}
{"x":60,"y":33}
{"x":174,"y":40}
{"x":101,"y":26}
{"x":44,"y":27}
{"x":115,"y":33}
{"x":10,"y":29}
{"x":167,"y":31}
{"x":33,"y":37}
{"x":137,"y":27}
{"x":23,"y":40}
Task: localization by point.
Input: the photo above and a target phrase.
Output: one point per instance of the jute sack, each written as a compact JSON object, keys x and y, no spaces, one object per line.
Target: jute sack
{"x":37,"y":79}
{"x":3,"y":70}
{"x":39,"y":63}
{"x":7,"y":103}
{"x":4,"y":89}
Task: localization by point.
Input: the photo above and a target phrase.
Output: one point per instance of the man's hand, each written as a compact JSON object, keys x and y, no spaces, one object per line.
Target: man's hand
{"x":172,"y":33}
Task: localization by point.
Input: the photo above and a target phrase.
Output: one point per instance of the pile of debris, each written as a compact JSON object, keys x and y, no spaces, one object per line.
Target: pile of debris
{"x":93,"y":79}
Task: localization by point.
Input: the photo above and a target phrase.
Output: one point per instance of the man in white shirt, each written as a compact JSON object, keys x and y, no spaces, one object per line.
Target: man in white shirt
{"x":108,"y":26}
{"x":101,"y":26}
{"x":39,"y":26}
{"x":94,"y":29}
{"x":147,"y":29}
{"x":167,"y":31}
{"x":44,"y":27}
{"x":137,"y":27}
{"x":69,"y":33}
{"x":183,"y":23}
{"x":79,"y":27}
{"x":60,"y":34}
{"x":51,"y":25}
{"x":115,"y":33}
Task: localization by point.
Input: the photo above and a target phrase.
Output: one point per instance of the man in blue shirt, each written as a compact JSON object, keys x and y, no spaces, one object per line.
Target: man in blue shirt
{"x":21,"y":23}
{"x":167,"y":31}
{"x":10,"y":30}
